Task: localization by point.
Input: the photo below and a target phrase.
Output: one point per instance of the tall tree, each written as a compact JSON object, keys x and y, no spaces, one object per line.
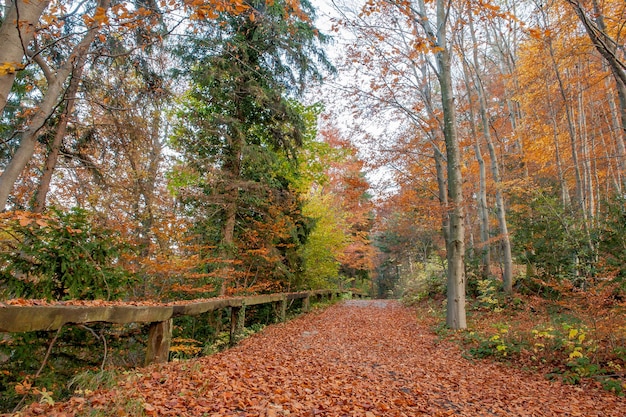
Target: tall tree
{"x":507,"y":259}
{"x":236,"y":120}
{"x":411,"y":44}
{"x":437,"y":34}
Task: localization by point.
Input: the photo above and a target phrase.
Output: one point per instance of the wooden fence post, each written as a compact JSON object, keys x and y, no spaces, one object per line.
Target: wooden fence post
{"x":159,"y":340}
{"x":237,"y":323}
{"x":283,"y":309}
{"x":306,"y":304}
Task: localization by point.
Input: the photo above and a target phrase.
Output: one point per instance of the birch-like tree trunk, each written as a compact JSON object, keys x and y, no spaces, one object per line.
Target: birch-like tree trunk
{"x":16,"y":34}
{"x":607,"y":47}
{"x":481,"y":198}
{"x":55,"y":88}
{"x":55,"y":147}
{"x":507,"y":258}
{"x":455,"y":244}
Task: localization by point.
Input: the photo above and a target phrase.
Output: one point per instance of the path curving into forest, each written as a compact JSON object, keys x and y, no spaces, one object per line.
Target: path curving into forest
{"x":357,"y":358}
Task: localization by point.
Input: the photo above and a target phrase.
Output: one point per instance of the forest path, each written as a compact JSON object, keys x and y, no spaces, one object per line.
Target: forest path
{"x":357,"y":358}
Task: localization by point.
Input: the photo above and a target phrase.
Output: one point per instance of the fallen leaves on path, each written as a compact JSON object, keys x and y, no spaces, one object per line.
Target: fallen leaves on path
{"x":359,"y":358}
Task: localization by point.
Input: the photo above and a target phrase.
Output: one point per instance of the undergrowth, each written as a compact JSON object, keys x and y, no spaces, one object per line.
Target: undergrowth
{"x":578,"y":339}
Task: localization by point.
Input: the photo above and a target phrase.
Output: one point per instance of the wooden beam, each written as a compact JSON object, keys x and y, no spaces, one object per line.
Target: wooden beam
{"x":33,"y":318}
{"x":52,"y":317}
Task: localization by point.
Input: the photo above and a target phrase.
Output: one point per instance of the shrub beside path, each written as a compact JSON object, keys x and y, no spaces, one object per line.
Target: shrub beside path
{"x":357,"y":358}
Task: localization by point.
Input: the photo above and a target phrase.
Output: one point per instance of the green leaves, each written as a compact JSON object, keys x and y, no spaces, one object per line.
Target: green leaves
{"x":239,"y":133}
{"x":59,"y":256}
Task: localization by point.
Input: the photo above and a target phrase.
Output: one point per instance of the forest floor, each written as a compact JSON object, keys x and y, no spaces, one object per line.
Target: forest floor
{"x":356,"y":358}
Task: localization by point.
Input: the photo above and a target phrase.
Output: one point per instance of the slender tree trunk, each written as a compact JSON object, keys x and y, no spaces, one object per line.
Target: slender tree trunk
{"x":483,"y":211}
{"x":507,"y":258}
{"x":455,"y":316}
{"x":565,"y":196}
{"x":443,"y":191}
{"x":607,"y":47}
{"x":583,"y":128}
{"x":55,"y":146}
{"x":149,"y":183}
{"x":16,"y":34}
{"x":233,"y":168}
{"x":617,"y":134}
{"x":28,"y":139}
{"x":455,"y":242}
{"x":580,"y":195}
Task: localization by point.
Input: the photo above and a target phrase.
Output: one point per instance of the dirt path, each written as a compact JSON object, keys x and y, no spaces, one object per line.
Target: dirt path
{"x":360,"y":358}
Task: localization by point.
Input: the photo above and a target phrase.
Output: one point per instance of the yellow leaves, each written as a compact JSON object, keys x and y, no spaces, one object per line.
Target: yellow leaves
{"x":10,"y":68}
{"x":576,"y":353}
{"x":185,"y":347}
{"x":543,"y":334}
{"x":577,"y":334}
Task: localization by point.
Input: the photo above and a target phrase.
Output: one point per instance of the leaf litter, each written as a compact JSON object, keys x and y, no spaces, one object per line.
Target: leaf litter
{"x":358,"y":358}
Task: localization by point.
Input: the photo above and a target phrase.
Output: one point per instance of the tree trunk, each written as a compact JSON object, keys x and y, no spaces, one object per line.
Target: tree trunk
{"x":507,"y":258}
{"x":28,"y":139}
{"x":443,"y":193}
{"x":618,"y":136}
{"x":607,"y":47}
{"x":580,"y":196}
{"x":233,"y":172}
{"x":455,"y":315}
{"x":483,"y":212}
{"x":455,"y":242}
{"x":565,"y":196}
{"x":55,"y":146}
{"x":15,"y":37}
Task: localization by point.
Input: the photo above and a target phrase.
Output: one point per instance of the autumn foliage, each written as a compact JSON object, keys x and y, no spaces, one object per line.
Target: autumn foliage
{"x":154,"y":151}
{"x":369,"y":358}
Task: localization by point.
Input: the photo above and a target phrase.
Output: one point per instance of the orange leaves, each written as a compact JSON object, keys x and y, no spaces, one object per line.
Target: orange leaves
{"x":539,"y":34}
{"x":23,"y":388}
{"x":364,"y":358}
{"x":100,"y":16}
{"x":149,"y":409}
{"x":211,"y":9}
{"x":24,"y":218}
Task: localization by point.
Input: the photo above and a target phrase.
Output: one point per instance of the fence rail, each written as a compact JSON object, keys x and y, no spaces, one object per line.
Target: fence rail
{"x":15,"y":319}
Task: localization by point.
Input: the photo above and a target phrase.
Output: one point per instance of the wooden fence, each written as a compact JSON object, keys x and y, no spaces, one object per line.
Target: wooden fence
{"x":52,"y":317}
